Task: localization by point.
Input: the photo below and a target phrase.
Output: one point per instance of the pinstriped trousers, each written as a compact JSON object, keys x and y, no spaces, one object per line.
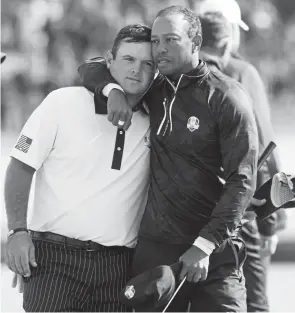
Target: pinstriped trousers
{"x":72,"y":280}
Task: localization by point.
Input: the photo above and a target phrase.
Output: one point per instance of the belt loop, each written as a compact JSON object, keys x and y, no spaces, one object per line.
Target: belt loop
{"x":89,"y":247}
{"x":65,"y":244}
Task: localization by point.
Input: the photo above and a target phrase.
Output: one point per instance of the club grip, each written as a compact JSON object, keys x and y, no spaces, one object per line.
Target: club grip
{"x":265,"y":154}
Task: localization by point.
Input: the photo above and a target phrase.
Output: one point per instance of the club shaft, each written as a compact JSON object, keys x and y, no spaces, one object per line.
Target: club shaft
{"x":265,"y":154}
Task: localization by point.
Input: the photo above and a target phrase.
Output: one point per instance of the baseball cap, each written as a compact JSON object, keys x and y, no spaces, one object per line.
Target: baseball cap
{"x":151,"y":289}
{"x":230,"y":9}
{"x":215,"y":27}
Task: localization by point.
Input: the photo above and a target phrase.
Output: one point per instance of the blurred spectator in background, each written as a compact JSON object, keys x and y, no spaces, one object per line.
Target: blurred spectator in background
{"x":221,"y":21}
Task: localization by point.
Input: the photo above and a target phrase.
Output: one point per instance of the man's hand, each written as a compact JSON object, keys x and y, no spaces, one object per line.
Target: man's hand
{"x":119,"y":109}
{"x":195,"y":264}
{"x":20,"y":253}
{"x":268,"y":245}
{"x":20,"y":280}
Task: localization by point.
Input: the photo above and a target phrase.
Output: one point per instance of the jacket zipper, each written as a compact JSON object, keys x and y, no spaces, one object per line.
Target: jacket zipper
{"x":169,"y":120}
{"x":164,"y":118}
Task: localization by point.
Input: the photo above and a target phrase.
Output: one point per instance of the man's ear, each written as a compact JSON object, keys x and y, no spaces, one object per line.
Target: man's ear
{"x":109,"y":59}
{"x":197,"y":42}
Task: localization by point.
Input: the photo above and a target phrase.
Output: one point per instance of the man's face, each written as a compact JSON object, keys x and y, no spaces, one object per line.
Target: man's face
{"x":172,"y":48}
{"x":133,"y":67}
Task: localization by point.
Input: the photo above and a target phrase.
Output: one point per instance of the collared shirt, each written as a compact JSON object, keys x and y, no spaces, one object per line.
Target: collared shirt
{"x":77,"y":193}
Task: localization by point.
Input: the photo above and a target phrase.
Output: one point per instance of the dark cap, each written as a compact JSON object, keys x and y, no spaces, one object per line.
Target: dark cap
{"x":215,"y":28}
{"x":152,"y":289}
{"x":277,"y":193}
{"x":264,"y":193}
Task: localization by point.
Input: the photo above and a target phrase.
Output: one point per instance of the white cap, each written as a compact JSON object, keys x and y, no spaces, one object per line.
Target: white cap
{"x":228,"y":8}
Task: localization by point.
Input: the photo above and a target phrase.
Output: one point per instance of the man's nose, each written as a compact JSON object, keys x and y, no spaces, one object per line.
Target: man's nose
{"x":162,"y":48}
{"x":136,"y":68}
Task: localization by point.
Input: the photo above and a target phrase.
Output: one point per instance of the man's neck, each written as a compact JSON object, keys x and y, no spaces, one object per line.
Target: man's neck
{"x":189,"y":66}
{"x":133,"y":100}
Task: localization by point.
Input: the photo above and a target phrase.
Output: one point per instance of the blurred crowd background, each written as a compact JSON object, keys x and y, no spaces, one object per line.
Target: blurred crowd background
{"x":47,"y":39}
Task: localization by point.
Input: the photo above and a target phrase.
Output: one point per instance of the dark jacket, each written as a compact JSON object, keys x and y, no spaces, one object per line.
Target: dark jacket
{"x":202,"y":129}
{"x":247,"y":75}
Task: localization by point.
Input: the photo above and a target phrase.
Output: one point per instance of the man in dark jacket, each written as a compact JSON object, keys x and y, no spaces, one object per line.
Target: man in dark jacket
{"x":260,"y":237}
{"x":202,"y":129}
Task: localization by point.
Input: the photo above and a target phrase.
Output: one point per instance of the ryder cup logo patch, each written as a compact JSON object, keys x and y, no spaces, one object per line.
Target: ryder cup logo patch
{"x":193,"y":123}
{"x":129,"y":292}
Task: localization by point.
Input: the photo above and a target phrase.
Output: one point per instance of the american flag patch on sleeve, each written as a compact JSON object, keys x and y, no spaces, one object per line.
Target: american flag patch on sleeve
{"x":24,"y":143}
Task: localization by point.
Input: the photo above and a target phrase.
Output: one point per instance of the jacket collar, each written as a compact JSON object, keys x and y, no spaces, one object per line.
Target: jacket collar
{"x":198,"y":74}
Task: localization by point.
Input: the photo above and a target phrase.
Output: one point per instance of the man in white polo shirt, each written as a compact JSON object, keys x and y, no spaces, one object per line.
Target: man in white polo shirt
{"x":90,"y":190}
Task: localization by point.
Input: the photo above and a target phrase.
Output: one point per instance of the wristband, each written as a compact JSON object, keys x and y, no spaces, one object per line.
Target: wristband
{"x":13,"y":231}
{"x":108,"y":88}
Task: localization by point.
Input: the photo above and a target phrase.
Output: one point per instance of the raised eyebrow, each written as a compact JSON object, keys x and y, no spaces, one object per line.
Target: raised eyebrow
{"x":128,"y":56}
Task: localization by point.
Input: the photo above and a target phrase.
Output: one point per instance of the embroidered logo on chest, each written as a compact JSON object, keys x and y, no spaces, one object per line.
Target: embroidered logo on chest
{"x":193,"y":123}
{"x":129,"y":292}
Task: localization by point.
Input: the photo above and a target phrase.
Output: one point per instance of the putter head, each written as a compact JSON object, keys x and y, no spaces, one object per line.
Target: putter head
{"x":277,"y":191}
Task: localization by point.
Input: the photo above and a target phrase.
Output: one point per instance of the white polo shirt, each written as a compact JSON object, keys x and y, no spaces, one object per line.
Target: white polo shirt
{"x":77,"y":193}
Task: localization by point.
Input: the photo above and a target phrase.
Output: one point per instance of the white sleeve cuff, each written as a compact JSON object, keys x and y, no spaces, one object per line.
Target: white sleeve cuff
{"x":108,"y":88}
{"x":204,"y":244}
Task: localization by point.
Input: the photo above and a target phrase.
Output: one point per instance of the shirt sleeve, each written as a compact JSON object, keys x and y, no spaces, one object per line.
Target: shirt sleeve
{"x":37,"y":137}
{"x":205,"y":245}
{"x":238,"y":142}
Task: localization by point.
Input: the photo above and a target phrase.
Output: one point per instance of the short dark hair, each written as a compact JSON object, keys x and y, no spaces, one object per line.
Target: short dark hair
{"x":216,"y":29}
{"x":131,"y":33}
{"x":188,"y":15}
